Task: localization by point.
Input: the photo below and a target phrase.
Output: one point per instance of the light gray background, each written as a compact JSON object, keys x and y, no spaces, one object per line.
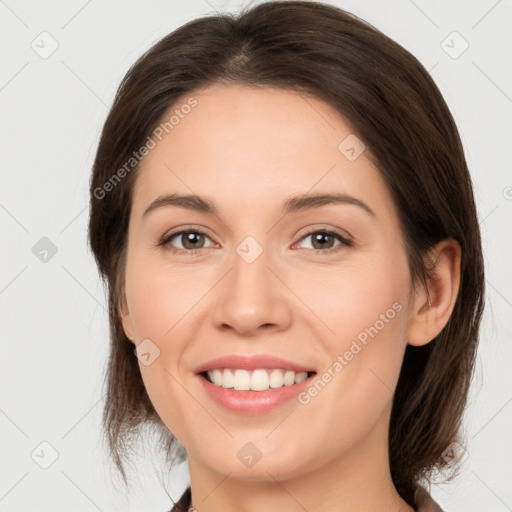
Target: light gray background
{"x":54,"y":324}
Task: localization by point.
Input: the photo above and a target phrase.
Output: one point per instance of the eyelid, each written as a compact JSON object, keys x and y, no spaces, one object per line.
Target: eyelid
{"x":165,"y":240}
{"x":346,"y":240}
{"x":325,"y":228}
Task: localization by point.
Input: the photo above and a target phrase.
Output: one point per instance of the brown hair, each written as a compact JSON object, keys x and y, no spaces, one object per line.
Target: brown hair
{"x":393,"y":106}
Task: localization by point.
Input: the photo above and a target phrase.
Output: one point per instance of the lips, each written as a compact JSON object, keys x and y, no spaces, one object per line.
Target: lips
{"x":252,"y":362}
{"x":250,"y":401}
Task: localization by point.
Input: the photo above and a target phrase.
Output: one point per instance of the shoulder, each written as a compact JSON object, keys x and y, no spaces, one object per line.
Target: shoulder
{"x":424,"y":502}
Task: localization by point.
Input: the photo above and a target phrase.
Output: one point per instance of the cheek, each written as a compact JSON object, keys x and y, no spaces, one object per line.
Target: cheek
{"x":363,"y":308}
{"x":364,"y":299}
{"x":160,"y":297}
{"x":163,"y":303}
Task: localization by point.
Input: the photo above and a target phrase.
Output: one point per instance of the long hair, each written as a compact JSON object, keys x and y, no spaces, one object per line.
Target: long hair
{"x":394,"y":107}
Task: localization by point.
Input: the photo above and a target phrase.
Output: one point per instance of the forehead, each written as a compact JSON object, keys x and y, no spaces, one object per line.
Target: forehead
{"x":244,"y":144}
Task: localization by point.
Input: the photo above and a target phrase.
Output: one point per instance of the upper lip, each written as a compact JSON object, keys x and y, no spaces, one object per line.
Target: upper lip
{"x":252,"y":362}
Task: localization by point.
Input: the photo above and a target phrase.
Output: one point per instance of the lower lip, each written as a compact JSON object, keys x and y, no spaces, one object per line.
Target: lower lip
{"x":253,"y":402}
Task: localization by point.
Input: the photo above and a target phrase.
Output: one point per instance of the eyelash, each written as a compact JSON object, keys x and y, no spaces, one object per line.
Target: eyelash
{"x":166,"y":239}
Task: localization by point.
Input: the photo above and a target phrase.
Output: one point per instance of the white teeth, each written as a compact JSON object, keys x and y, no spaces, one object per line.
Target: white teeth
{"x":289,"y":378}
{"x":217,"y":377}
{"x":256,"y":380}
{"x":228,"y":379}
{"x":241,"y":380}
{"x":259,"y":380}
{"x":276,"y":378}
{"x":300,"y":377}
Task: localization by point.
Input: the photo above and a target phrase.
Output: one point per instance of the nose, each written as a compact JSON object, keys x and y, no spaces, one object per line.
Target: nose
{"x":253,"y":296}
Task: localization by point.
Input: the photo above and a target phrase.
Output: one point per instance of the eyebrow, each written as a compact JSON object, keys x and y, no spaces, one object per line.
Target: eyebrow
{"x":292,"y":204}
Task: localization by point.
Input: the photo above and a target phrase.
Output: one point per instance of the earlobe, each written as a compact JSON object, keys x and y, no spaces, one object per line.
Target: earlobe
{"x":126,"y":320}
{"x":432,"y":307}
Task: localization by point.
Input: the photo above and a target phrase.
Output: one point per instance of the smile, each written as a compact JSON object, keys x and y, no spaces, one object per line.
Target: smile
{"x":254,"y":380}
{"x":254,"y":401}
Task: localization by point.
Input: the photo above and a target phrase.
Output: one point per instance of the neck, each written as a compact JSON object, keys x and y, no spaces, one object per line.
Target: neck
{"x":356,"y":481}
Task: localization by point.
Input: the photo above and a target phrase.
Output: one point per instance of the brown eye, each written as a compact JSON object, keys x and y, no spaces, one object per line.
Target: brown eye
{"x":325,"y":241}
{"x":190,"y":240}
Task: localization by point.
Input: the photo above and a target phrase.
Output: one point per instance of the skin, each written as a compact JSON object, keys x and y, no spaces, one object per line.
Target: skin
{"x":247,"y":150}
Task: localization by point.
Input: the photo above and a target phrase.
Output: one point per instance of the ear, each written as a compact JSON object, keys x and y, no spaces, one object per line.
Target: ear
{"x":432,"y":307}
{"x":126,"y":319}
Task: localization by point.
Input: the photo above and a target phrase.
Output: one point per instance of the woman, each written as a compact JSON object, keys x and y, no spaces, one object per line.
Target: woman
{"x":283,"y":215}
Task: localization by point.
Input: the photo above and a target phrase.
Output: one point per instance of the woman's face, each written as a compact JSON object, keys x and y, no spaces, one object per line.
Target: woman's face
{"x":265,"y":279}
